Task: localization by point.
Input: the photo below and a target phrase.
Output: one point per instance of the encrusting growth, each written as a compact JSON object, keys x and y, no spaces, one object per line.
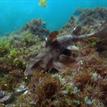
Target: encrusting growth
{"x":55,"y":47}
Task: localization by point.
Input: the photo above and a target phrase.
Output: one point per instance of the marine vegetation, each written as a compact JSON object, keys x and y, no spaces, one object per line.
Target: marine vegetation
{"x":37,"y":27}
{"x":67,"y":70}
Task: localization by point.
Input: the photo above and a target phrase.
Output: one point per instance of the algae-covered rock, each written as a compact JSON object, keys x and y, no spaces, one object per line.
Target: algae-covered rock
{"x":79,"y":83}
{"x":43,"y":87}
{"x":5,"y":45}
{"x":37,"y":27}
{"x":85,"y":21}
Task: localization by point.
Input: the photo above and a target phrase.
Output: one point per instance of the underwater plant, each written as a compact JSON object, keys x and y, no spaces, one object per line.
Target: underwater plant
{"x":5,"y":45}
{"x":82,"y":83}
{"x":37,"y":27}
{"x":13,"y":53}
{"x":43,"y":87}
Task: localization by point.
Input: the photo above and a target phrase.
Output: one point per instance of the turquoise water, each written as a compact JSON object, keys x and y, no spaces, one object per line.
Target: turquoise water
{"x":14,"y":14}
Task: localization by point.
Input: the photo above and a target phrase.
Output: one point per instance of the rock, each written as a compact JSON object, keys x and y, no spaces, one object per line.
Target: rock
{"x":86,"y":21}
{"x":2,"y":94}
{"x":37,"y":27}
{"x":53,"y":71}
{"x":21,"y":89}
{"x":7,"y":98}
{"x":77,"y":30}
{"x":101,"y":46}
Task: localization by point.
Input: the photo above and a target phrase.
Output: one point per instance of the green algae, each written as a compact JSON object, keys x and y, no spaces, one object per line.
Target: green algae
{"x":71,"y":88}
{"x":14,"y":53}
{"x":5,"y":45}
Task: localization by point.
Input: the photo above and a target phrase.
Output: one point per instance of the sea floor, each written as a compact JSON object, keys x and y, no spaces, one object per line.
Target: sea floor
{"x":80,"y":81}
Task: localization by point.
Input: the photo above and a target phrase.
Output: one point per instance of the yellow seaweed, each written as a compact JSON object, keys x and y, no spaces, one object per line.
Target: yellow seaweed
{"x":43,"y":3}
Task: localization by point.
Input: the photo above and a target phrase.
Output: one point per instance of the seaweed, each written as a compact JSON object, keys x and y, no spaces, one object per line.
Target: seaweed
{"x":37,"y":27}
{"x":81,"y":81}
{"x":43,"y":87}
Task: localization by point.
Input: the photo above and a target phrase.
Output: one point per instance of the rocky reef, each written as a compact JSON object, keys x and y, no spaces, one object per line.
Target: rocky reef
{"x":86,"y":20}
{"x":37,"y":27}
{"x":78,"y":82}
